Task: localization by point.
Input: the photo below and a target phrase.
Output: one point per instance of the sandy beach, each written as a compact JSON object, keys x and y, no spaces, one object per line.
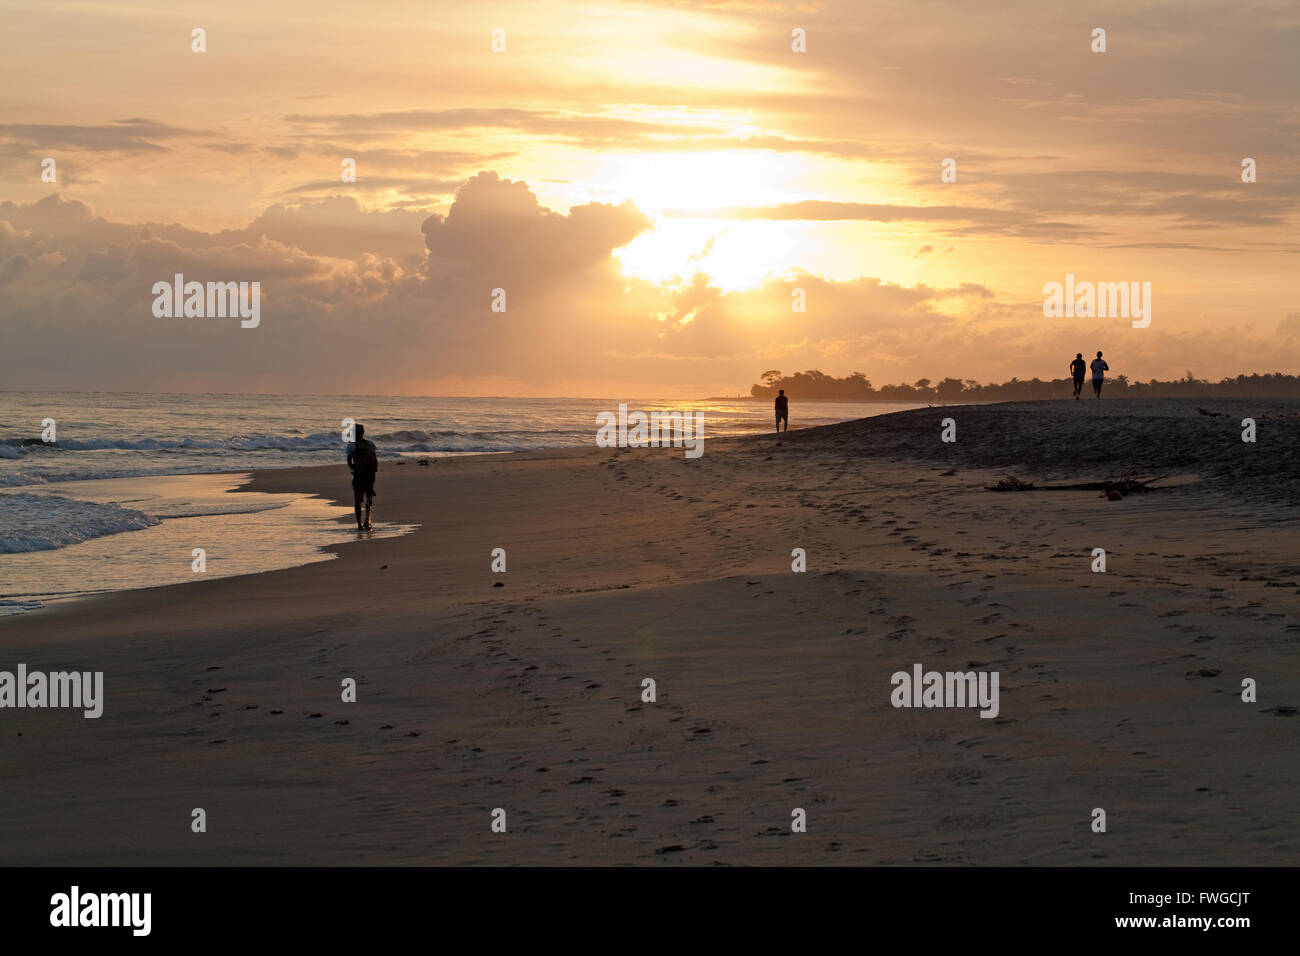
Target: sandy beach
{"x":522,"y":690}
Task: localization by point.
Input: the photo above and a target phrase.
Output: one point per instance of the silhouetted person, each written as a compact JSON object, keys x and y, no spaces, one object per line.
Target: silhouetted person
{"x":1099,"y":370}
{"x":782,"y":410}
{"x":363,"y":459}
{"x":1077,"y":368}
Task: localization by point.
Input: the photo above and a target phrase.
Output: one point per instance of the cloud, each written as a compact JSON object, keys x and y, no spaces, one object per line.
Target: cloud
{"x":349,"y":302}
{"x":555,"y":123}
{"x":376,"y":301}
{"x":336,"y":226}
{"x":405,"y":185}
{"x":587,"y":129}
{"x":979,"y":221}
{"x":498,"y":224}
{"x":129,"y":135}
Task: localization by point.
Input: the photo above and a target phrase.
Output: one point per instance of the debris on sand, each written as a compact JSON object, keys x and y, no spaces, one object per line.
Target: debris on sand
{"x":1011,"y":483}
{"x":1129,"y":484}
{"x":1114,"y":488}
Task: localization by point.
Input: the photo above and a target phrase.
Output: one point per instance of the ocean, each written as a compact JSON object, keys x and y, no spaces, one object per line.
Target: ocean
{"x":132,"y":481}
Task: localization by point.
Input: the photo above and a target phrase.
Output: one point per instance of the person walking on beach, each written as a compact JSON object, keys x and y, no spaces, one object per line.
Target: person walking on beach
{"x":363,"y":459}
{"x":782,"y":410}
{"x":1077,"y":368}
{"x":1099,"y":370}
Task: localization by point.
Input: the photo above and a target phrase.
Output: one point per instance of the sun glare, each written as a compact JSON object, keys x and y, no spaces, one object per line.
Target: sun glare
{"x":700,"y":181}
{"x":736,"y":254}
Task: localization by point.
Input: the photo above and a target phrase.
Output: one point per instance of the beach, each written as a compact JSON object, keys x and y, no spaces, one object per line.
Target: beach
{"x":522,"y":690}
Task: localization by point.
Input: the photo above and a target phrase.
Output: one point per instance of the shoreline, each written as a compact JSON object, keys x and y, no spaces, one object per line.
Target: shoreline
{"x":917,"y":448}
{"x":1118,"y":690}
{"x":158,"y":530}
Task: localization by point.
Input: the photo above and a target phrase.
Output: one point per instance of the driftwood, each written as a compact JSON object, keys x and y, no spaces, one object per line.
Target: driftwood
{"x":1114,"y":489}
{"x":1128,"y":485}
{"x":1010,"y":483}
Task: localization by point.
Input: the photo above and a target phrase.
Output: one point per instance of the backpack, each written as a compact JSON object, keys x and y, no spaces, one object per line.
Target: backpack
{"x":364,"y":458}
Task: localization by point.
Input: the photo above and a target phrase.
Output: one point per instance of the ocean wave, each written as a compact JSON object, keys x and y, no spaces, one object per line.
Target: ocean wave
{"x":318,"y":442}
{"x":18,"y":478}
{"x":11,"y":608}
{"x":389,"y":443}
{"x":321,"y":441}
{"x":412,"y":435}
{"x":44,"y":522}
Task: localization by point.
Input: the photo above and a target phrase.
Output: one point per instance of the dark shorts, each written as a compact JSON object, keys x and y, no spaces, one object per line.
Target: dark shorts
{"x":363,"y":484}
{"x":1078,"y":380}
{"x":782,"y":416}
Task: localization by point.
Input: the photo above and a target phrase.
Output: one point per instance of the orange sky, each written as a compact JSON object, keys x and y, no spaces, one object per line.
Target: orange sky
{"x":649,"y":183}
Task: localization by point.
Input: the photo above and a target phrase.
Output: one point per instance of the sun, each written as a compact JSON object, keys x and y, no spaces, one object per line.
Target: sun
{"x":699,"y":181}
{"x":686,"y":195}
{"x":734,"y":255}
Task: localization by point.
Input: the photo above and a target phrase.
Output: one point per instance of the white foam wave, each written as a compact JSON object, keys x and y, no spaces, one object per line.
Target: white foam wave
{"x":42,"y":522}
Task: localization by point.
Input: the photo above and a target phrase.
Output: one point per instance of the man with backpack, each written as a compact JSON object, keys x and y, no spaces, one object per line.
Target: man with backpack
{"x":363,"y":459}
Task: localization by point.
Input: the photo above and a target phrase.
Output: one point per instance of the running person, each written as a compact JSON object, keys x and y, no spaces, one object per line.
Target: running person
{"x":1099,"y":370}
{"x":1077,"y":368}
{"x":363,"y":459}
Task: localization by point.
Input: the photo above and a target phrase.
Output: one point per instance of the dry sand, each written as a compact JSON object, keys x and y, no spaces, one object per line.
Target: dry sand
{"x":1118,"y":690}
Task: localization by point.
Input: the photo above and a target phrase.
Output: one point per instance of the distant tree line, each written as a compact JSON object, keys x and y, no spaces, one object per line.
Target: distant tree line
{"x":857,"y":388}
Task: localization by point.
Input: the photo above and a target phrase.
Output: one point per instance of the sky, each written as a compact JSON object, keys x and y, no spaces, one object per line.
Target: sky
{"x":655,"y":188}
